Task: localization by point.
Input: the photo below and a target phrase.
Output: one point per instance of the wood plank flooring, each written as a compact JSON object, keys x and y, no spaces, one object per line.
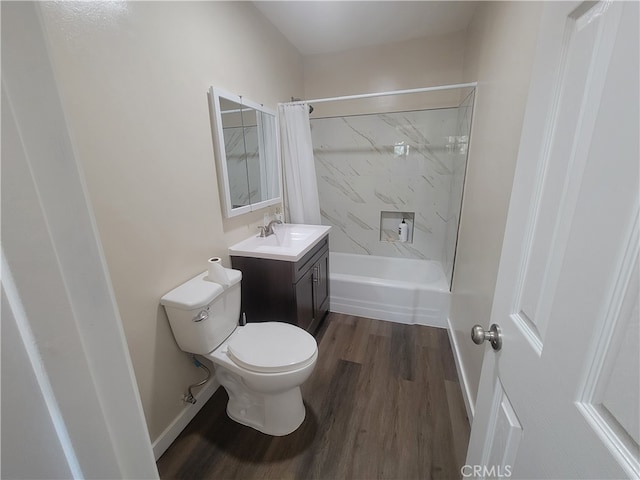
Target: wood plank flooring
{"x":383,"y":402}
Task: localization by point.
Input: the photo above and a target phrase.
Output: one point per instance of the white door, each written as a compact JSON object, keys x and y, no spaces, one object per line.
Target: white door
{"x":561,"y":398}
{"x":70,"y":404}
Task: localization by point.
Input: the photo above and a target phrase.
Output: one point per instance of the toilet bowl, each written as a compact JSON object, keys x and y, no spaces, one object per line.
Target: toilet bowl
{"x":260,"y":365}
{"x":263,"y":378}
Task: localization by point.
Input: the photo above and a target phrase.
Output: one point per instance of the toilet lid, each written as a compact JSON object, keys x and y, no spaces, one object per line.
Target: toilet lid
{"x":271,"y":347}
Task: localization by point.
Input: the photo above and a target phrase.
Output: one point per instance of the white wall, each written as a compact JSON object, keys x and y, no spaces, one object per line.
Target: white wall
{"x":422,"y":62}
{"x":134,"y":78}
{"x":499,"y":54}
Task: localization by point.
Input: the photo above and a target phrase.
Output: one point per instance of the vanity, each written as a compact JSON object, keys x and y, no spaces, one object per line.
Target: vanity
{"x":285,"y":276}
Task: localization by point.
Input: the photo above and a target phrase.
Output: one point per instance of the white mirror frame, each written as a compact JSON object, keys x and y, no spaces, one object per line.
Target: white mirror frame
{"x":221,"y":156}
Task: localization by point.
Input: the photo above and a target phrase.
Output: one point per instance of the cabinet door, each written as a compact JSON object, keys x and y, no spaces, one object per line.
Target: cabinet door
{"x":267,"y":292}
{"x":304,"y":299}
{"x":321,"y":287}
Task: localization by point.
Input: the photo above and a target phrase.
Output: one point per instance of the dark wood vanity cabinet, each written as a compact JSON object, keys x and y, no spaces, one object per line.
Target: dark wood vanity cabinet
{"x":281,"y":291}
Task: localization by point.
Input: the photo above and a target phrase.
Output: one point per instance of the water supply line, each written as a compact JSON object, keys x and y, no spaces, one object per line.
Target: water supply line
{"x":190,"y":398}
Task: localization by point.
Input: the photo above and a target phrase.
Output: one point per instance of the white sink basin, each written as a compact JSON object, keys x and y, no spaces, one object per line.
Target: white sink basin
{"x":289,"y":242}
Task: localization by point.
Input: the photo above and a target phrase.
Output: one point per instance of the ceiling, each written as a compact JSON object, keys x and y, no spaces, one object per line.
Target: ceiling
{"x":332,"y":26}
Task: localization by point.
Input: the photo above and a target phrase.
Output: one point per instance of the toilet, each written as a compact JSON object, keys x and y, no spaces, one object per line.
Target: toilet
{"x":260,"y":365}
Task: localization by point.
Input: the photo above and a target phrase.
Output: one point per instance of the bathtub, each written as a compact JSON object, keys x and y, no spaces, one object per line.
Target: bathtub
{"x":395,"y":289}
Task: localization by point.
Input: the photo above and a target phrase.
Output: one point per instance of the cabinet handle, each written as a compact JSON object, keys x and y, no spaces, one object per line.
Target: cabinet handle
{"x":316,"y":273}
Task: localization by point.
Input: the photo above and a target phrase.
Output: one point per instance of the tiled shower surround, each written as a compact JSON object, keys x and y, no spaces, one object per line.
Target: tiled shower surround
{"x":392,"y":162}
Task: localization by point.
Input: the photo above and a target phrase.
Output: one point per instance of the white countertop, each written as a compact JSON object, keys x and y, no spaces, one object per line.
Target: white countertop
{"x":290,"y":242}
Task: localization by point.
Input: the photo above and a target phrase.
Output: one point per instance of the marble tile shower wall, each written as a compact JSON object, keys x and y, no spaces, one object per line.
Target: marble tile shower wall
{"x":395,"y":162}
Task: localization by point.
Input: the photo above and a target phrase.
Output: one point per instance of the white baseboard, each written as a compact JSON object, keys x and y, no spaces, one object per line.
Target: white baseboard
{"x":464,"y":383}
{"x":170,"y":433}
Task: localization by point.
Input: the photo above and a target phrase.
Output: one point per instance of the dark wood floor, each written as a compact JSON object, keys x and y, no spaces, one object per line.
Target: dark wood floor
{"x":383,"y":402}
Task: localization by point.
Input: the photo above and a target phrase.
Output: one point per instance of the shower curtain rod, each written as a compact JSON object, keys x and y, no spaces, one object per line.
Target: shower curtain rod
{"x":382,"y":94}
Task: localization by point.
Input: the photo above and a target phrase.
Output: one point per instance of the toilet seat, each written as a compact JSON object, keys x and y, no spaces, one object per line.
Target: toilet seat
{"x":271,"y":347}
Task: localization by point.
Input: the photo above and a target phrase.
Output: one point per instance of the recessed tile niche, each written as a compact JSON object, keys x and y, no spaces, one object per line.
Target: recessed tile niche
{"x":390,"y":222}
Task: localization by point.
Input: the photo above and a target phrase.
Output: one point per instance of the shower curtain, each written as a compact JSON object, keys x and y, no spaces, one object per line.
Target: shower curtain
{"x":300,"y":185}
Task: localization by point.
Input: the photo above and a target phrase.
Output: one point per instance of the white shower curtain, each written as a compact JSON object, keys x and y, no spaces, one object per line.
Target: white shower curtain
{"x":300,"y":185}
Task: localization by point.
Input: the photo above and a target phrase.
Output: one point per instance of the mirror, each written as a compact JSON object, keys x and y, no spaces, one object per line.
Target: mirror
{"x":246,"y":148}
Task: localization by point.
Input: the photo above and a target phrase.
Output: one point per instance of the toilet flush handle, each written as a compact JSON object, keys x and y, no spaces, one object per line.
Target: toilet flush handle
{"x":203,"y":315}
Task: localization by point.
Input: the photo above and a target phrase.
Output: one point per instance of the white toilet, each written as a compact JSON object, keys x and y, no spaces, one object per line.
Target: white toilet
{"x":261,"y":365}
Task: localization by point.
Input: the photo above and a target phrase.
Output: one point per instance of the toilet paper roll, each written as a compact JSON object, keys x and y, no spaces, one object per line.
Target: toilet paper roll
{"x":217,"y":273}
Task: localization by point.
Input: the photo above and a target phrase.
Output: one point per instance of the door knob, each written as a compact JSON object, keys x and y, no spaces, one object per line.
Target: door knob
{"x":479,"y":335}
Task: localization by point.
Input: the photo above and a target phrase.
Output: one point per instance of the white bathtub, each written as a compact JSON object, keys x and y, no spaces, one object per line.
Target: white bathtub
{"x":395,"y":289}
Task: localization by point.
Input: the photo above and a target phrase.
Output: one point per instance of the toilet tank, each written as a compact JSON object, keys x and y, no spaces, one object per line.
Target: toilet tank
{"x":202,"y":314}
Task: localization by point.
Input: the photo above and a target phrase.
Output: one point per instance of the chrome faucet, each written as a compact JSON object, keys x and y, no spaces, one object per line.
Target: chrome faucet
{"x":265,"y":231}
